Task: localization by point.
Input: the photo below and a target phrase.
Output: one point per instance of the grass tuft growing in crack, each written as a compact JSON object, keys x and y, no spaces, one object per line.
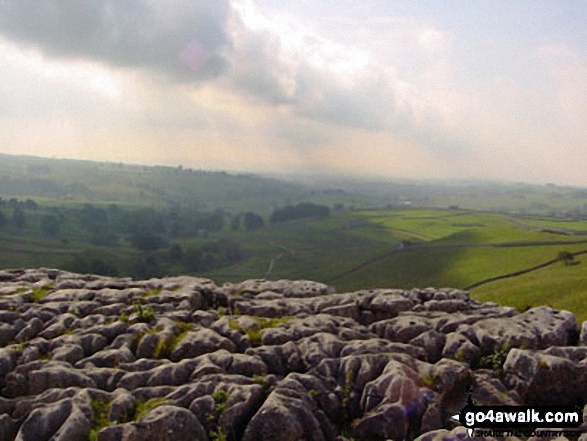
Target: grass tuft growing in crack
{"x":100,"y":408}
{"x":166,"y":345}
{"x":496,"y":359}
{"x":144,"y":407}
{"x":152,"y":292}
{"x":220,"y":397}
{"x":145,"y":315}
{"x":256,"y":334}
{"x":40,"y":293}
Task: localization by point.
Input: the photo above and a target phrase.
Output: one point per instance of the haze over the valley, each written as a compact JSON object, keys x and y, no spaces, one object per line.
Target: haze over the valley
{"x":419,"y":89}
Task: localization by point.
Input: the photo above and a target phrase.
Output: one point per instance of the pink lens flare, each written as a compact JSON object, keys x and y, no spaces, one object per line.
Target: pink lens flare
{"x":195,"y":56}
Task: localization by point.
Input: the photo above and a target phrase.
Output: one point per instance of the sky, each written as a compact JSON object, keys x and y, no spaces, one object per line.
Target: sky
{"x":373,"y":88}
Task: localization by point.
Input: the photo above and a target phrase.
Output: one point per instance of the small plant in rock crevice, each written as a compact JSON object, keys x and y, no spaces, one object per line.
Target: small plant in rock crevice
{"x":152,"y":292}
{"x":348,"y":388}
{"x":166,"y":345}
{"x":261,"y":380}
{"x":145,"y":315}
{"x":313,"y":393}
{"x":430,"y":381}
{"x":220,"y":397}
{"x":40,"y":293}
{"x":496,"y":359}
{"x":183,"y":326}
{"x":124,"y":317}
{"x":46,"y":357}
{"x":136,"y":340}
{"x":20,"y":347}
{"x":256,"y":334}
{"x":144,"y":407}
{"x":100,"y":408}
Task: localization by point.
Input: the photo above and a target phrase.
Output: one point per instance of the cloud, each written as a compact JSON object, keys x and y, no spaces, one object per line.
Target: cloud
{"x":239,"y":83}
{"x":366,"y":101}
{"x":181,"y":39}
{"x":350,"y":84}
{"x":313,"y":78}
{"x":258,"y":67}
{"x":232,"y":46}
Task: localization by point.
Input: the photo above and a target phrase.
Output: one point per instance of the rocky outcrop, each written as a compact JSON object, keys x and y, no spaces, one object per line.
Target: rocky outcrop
{"x":180,"y":358}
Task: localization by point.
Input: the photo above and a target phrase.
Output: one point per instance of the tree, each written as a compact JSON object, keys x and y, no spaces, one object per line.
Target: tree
{"x":235,"y":223}
{"x":3,"y":219}
{"x":174,"y":223}
{"x":147,"y":242}
{"x":18,"y":217}
{"x":94,"y":219}
{"x":89,"y":262}
{"x":29,"y":204}
{"x":211,"y":255}
{"x":192,"y":258}
{"x":50,"y":225}
{"x":212,"y":221}
{"x":147,"y":266}
{"x":175,"y":253}
{"x":104,"y":239}
{"x":567,"y":257}
{"x":300,"y":211}
{"x":253,"y":221}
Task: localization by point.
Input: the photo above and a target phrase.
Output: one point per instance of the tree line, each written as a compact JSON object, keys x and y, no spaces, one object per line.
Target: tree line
{"x":175,"y":239}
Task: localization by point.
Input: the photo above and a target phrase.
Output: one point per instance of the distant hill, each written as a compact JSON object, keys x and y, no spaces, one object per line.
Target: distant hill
{"x":67,"y":181}
{"x":78,"y":181}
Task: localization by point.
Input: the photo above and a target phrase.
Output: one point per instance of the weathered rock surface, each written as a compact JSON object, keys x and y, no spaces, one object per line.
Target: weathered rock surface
{"x":180,"y":358}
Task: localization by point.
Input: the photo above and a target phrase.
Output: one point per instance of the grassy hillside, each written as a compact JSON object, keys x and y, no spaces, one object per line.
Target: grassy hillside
{"x":152,"y":221}
{"x":561,"y":286}
{"x":458,"y":226}
{"x":73,"y":181}
{"x":458,"y":248}
{"x":304,"y":249}
{"x":64,"y":181}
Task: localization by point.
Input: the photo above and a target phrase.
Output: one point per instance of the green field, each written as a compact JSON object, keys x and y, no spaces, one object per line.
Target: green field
{"x":560,"y":286}
{"x":557,"y":224}
{"x":442,"y":248}
{"x":354,"y":250}
{"x":450,"y":248}
{"x":458,"y":226}
{"x":308,"y":249}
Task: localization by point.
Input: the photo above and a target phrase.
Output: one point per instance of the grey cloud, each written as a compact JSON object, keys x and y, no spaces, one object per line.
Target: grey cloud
{"x":446,"y":142}
{"x":181,"y":39}
{"x":256,"y":68}
{"x":366,"y":100}
{"x":261,"y":69}
{"x":194,"y":40}
{"x":368,"y":104}
{"x":189,"y":40}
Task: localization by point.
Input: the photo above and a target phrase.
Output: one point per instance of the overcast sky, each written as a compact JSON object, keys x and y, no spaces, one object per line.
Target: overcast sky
{"x":453,"y":89}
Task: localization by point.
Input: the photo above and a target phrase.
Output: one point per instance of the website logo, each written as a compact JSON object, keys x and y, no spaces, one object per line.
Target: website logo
{"x":522,"y":419}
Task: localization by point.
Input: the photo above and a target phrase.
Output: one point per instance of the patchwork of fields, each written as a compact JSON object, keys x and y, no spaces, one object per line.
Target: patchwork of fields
{"x":420,"y":248}
{"x":352,"y":250}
